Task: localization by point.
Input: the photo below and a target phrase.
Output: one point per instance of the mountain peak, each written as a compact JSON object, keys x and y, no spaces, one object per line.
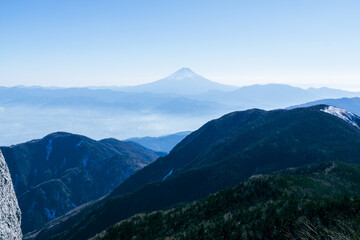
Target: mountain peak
{"x":183,"y":73}
{"x":184,"y":82}
{"x":184,"y":69}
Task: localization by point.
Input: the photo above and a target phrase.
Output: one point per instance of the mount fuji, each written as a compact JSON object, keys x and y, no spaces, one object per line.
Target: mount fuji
{"x":183,"y":81}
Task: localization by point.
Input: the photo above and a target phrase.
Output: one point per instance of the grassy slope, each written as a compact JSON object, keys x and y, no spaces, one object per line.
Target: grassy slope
{"x":264,"y":207}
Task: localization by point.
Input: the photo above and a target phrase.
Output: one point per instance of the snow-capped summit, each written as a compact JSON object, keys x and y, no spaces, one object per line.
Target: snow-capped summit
{"x":183,"y":73}
{"x":343,"y":114}
{"x":10,"y":215}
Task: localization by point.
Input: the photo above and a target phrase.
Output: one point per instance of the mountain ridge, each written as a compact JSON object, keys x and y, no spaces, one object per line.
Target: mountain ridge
{"x":220,"y":154}
{"x":350,"y":104}
{"x":44,"y":172}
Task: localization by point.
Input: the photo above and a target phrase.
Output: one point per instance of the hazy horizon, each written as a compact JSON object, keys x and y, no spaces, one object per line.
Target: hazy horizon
{"x":114,"y":43}
{"x":151,"y":81}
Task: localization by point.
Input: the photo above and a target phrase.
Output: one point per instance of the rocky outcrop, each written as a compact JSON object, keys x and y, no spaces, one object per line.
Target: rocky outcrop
{"x":10,"y":215}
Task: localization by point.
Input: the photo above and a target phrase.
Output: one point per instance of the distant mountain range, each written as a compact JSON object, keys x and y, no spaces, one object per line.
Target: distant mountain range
{"x":183,"y":84}
{"x":162,"y":143}
{"x":221,"y":154}
{"x":350,"y":104}
{"x":182,"y":101}
{"x":61,"y":171}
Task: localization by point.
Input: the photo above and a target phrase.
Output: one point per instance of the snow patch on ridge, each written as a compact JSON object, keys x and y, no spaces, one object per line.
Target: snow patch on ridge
{"x":347,"y":116}
{"x":49,"y":149}
{"x":79,"y":144}
{"x":85,"y":161}
{"x":50,"y":213}
{"x":168,"y":174}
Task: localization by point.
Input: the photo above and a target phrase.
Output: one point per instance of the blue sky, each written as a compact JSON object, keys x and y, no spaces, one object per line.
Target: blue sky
{"x":86,"y":43}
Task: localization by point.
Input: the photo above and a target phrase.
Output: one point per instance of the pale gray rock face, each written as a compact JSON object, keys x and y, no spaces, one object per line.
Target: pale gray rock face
{"x":10,"y":214}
